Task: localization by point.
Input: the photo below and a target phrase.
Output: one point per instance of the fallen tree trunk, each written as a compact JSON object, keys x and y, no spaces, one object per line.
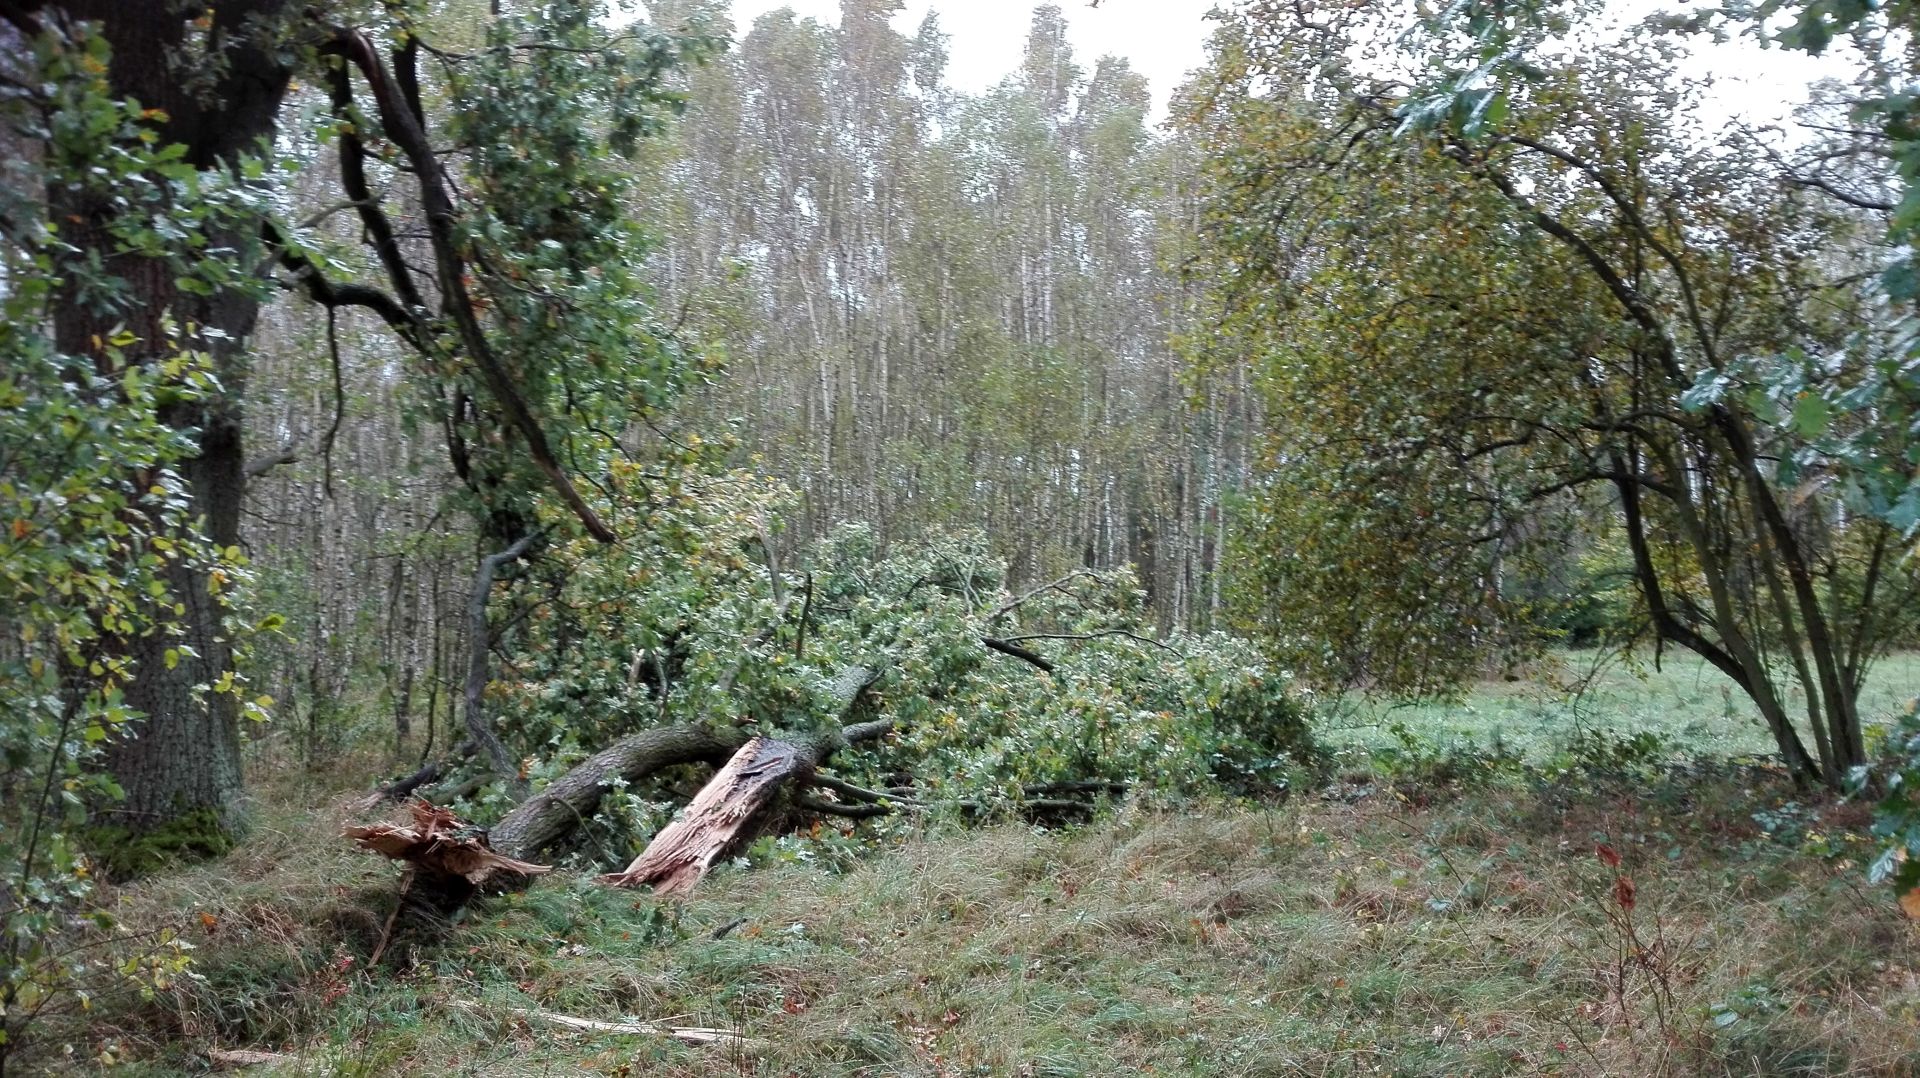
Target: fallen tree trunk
{"x":731,"y":808}
{"x":553,"y":813}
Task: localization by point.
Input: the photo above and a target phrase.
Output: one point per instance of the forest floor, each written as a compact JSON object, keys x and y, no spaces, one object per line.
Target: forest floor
{"x":1431,"y":913}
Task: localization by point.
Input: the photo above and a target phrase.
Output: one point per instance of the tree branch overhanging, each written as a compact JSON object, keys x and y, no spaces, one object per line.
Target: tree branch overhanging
{"x":401,"y":127}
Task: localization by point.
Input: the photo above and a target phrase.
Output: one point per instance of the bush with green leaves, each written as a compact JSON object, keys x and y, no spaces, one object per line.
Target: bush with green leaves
{"x":701,"y":619}
{"x":1896,"y":820}
{"x":93,"y":514}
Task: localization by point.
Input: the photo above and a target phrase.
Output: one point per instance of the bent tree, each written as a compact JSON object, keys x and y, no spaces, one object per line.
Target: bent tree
{"x":1491,"y":325}
{"x":483,"y":200}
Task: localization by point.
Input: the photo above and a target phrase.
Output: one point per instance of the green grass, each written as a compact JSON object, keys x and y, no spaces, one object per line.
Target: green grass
{"x":1691,"y":705}
{"x":1464,"y":932}
{"x":1434,"y":925}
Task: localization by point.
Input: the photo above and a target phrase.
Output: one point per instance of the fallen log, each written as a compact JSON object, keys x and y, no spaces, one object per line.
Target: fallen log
{"x":732,"y":807}
{"x":553,"y":813}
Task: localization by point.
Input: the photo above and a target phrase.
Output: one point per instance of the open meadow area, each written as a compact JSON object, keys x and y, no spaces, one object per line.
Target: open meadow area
{"x":1545,"y":708}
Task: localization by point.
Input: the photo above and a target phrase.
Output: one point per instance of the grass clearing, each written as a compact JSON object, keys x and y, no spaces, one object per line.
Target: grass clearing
{"x":1693,"y":707}
{"x":1466,"y":934}
{"x":1391,"y":924}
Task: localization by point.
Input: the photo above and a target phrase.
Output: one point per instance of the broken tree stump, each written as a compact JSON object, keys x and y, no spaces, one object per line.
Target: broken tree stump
{"x":730,"y":809}
{"x":447,"y":859}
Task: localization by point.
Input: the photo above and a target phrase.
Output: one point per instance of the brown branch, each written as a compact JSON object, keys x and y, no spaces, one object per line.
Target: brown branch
{"x":1032,"y":658}
{"x":403,"y":129}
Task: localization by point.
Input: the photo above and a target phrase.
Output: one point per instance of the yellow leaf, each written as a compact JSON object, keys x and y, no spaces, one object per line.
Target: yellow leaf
{"x":1910,"y":903}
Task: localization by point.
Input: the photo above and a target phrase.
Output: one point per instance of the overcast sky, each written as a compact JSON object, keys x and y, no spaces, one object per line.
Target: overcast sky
{"x":1161,"y":39}
{"x":1165,"y":39}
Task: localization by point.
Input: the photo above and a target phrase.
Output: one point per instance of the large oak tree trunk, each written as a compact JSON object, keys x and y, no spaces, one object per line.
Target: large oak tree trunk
{"x":181,"y":766}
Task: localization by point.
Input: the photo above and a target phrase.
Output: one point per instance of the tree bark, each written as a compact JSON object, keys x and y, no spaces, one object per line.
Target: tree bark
{"x":181,"y":766}
{"x":553,"y":813}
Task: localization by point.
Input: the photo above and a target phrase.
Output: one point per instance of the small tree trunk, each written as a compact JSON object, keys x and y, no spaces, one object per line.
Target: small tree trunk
{"x":479,"y":728}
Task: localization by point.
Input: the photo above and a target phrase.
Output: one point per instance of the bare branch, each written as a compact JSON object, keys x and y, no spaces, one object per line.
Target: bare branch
{"x":1032,"y":658}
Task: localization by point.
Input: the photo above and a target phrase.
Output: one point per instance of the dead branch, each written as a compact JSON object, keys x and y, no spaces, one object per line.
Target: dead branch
{"x":865,"y":811}
{"x":267,"y":462}
{"x":1087,"y":636}
{"x":696,"y":1035}
{"x":402,"y":788}
{"x":1005,"y":647}
{"x":1052,"y":585}
{"x":861,"y":793}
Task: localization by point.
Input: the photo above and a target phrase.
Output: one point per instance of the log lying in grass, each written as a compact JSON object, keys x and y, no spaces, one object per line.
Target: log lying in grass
{"x":553,"y":813}
{"x":732,"y":807}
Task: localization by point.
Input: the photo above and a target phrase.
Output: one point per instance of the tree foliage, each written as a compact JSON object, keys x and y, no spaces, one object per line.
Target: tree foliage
{"x":95,"y":517}
{"x":702,"y":623}
{"x":1489,"y":314}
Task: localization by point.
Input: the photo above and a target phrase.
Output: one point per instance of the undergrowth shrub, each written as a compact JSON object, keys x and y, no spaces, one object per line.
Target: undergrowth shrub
{"x":94,"y":521}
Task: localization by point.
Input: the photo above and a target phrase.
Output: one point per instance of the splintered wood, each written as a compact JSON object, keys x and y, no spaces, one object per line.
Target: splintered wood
{"x":723,"y":816}
{"x":442,"y":845}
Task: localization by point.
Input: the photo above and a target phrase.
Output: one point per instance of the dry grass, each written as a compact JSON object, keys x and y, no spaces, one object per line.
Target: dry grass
{"x":1469,"y":936}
